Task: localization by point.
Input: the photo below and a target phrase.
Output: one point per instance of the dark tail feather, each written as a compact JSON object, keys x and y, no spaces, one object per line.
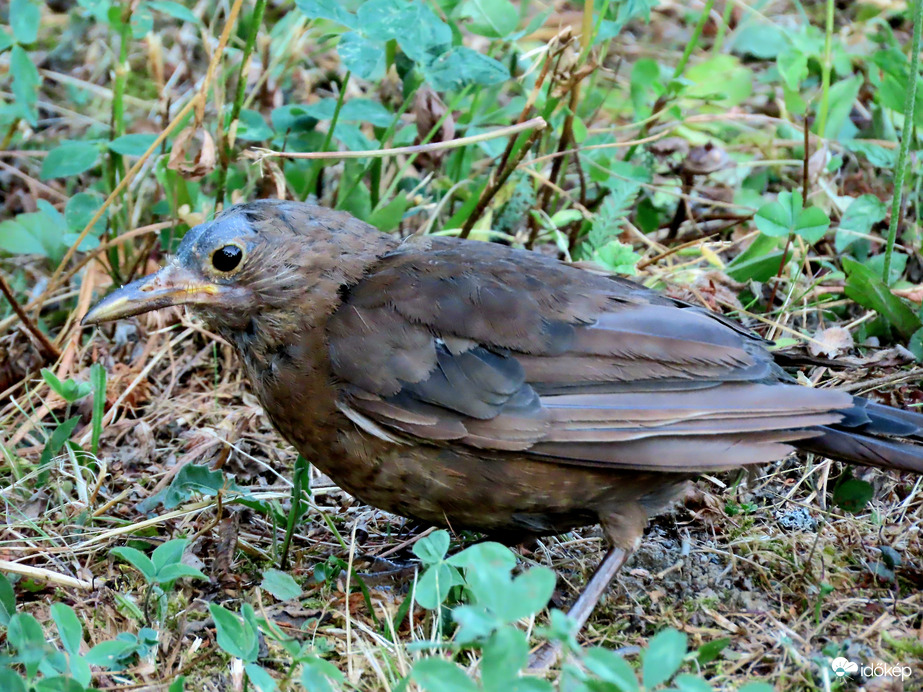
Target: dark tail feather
{"x":873,"y":435}
{"x":863,"y":449}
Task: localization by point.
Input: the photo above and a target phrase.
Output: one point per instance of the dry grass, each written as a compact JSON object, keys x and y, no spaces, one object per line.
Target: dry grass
{"x":748,"y":558}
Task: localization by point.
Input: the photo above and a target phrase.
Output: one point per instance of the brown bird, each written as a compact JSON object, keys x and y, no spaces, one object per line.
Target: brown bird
{"x":479,"y":386}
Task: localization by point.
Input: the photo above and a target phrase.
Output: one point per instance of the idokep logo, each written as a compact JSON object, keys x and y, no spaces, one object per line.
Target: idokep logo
{"x":843,"y":667}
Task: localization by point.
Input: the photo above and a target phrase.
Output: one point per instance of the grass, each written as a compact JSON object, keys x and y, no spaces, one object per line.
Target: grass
{"x":664,"y":146}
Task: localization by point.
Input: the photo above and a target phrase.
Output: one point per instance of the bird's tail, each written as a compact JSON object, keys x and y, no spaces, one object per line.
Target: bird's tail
{"x":873,"y":435}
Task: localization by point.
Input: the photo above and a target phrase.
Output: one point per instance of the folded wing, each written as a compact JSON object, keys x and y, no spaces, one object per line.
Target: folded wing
{"x":507,"y":350}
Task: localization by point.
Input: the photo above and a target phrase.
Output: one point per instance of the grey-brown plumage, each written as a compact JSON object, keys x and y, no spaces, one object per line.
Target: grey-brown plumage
{"x":483,"y":387}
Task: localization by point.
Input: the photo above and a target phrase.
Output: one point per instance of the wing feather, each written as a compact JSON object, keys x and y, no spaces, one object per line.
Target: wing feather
{"x":507,"y":350}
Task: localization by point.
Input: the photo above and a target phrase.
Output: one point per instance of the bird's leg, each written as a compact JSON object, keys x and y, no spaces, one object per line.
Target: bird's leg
{"x":548,"y":654}
{"x":624,"y":530}
{"x":583,"y":607}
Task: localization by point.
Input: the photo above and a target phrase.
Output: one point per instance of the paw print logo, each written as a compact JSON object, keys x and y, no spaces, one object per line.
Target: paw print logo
{"x":842,"y":666}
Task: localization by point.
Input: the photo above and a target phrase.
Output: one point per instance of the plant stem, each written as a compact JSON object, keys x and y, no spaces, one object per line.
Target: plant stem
{"x":906,"y":136}
{"x":825,"y":72}
{"x":117,"y":125}
{"x":501,"y":178}
{"x":693,"y":40}
{"x":296,"y":511}
{"x":225,"y":155}
{"x":722,"y":28}
{"x":49,"y":350}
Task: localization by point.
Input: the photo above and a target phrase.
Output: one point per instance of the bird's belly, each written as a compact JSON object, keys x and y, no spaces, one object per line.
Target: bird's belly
{"x":491,"y":492}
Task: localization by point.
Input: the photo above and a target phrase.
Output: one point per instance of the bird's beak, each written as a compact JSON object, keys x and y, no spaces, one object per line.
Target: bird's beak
{"x":172,"y":285}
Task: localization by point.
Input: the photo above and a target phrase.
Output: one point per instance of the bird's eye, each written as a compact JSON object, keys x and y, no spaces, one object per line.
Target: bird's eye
{"x":225,"y":259}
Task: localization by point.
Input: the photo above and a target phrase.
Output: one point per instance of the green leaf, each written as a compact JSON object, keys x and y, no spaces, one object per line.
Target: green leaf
{"x":170,"y":573}
{"x":793,"y":66}
{"x":234,"y":635}
{"x":191,"y":479}
{"x":252,"y":127}
{"x":866,"y":288}
{"x":915,"y":346}
{"x":98,"y":382}
{"x":388,"y":217}
{"x":490,"y":18}
{"x":812,"y":224}
{"x":11,"y":682}
{"x":861,"y":214}
{"x":169,"y":553}
{"x":421,"y":34}
{"x":135,"y":144}
{"x":529,"y":593}
{"x":61,"y":435}
{"x":876,"y":154}
{"x":261,"y":680}
{"x":758,"y":262}
{"x":876,"y":264}
{"x":842,"y":96}
{"x":611,"y":668}
{"x":787,"y":215}
{"x":17,"y":240}
{"x":281,"y":585}
{"x":645,"y":86}
{"x":173,"y":9}
{"x":7,"y":600}
{"x":438,"y":675}
{"x":112,"y":654}
{"x":710,"y":651}
{"x":383,"y":20}
{"x":432,"y":549}
{"x":138,"y":560}
{"x":362,"y":57}
{"x":852,"y":495}
{"x":58,"y":683}
{"x":663,"y":657}
{"x":25,"y":84}
{"x":25,"y":16}
{"x":760,"y":40}
{"x":316,"y":675}
{"x":69,"y":628}
{"x":70,"y":158}
{"x":327,"y":9}
{"x":462,"y":66}
{"x":364,"y":111}
{"x":617,"y":257}
{"x":434,"y":585}
{"x":503,"y":656}
{"x":69,"y":390}
{"x":25,"y":634}
{"x":757,"y":687}
{"x":80,"y":209}
{"x":720,"y":79}
{"x":485,"y":556}
{"x":777,"y":219}
{"x":24,"y":631}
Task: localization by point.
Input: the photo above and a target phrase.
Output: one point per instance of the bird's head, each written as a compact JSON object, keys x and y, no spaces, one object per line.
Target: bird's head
{"x":254,"y":261}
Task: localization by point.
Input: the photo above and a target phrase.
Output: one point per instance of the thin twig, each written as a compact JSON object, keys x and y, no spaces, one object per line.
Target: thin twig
{"x":51,"y":351}
{"x":499,"y":181}
{"x":260,"y":153}
{"x":906,"y":137}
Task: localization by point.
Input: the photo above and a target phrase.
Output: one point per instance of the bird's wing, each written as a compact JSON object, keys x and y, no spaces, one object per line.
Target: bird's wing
{"x":505,"y":349}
